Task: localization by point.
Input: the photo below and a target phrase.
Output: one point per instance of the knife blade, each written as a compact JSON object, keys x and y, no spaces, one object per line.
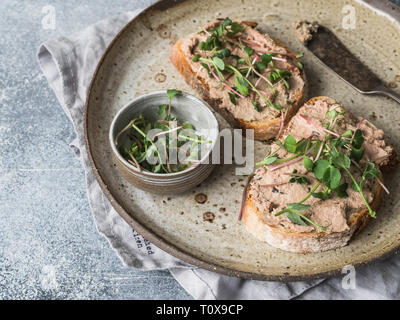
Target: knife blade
{"x":327,"y":47}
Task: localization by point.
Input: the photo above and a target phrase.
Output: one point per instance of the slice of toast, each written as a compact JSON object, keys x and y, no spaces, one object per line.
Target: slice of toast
{"x":271,"y":190}
{"x":266,"y":122}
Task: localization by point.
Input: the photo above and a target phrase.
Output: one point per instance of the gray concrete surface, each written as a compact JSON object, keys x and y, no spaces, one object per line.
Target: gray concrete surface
{"x":49,"y":246}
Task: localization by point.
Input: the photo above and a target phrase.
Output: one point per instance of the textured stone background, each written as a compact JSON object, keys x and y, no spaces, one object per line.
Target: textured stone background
{"x":49,"y":246}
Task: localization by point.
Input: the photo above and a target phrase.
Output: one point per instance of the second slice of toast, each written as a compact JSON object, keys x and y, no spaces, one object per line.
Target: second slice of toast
{"x":276,"y":186}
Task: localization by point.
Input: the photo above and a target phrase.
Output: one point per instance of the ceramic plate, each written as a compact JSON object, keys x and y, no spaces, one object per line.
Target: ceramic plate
{"x":137,"y":61}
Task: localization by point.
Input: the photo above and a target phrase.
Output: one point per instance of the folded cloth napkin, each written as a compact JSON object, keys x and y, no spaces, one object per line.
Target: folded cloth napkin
{"x":68,"y":64}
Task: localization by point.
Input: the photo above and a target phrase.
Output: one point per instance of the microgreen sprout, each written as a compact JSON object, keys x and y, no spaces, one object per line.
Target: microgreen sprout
{"x":171,"y":135}
{"x":333,"y":157}
{"x":249,"y":67}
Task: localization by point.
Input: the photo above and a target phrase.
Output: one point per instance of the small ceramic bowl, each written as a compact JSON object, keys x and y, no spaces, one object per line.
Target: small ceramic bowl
{"x":186,"y":108}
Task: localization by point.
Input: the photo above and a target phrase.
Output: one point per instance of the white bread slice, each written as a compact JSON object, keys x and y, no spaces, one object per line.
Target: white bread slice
{"x":311,"y":241}
{"x":263,"y":129}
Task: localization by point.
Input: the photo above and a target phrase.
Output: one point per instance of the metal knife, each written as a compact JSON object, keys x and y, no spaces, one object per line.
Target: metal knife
{"x":331,"y":52}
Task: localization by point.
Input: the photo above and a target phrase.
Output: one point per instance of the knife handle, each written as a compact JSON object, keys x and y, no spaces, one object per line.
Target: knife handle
{"x":387,"y":92}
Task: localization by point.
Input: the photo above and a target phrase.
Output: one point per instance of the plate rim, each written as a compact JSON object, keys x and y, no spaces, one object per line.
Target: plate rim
{"x":384,"y":7}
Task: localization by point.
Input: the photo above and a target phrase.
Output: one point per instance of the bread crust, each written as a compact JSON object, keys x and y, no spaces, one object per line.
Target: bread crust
{"x":263,"y":130}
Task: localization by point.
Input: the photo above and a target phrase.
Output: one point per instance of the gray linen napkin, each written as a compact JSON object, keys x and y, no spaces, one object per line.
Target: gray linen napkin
{"x":68,"y":64}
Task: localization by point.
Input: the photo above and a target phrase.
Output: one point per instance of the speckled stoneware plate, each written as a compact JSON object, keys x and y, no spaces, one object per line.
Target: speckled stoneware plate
{"x":137,"y":62}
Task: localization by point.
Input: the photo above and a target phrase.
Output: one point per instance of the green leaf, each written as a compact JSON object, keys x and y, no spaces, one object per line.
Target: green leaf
{"x":295,"y":218}
{"x":321,"y":166}
{"x":308,"y":163}
{"x":248,"y":51}
{"x":278,"y":74}
{"x":266,"y":58}
{"x":301,"y":146}
{"x":195,"y":58}
{"x":158,"y":168}
{"x":321,"y":195}
{"x":284,"y":74}
{"x":317,"y":147}
{"x":216,"y":43}
{"x":219,"y":63}
{"x":348,"y":134}
{"x":354,"y":186}
{"x":141,"y":157}
{"x":356,"y":154}
{"x":285,"y":83}
{"x":331,"y":114}
{"x":186,"y":125}
{"x":236,"y":27}
{"x":232,"y":97}
{"x":220,"y":30}
{"x":370,"y":171}
{"x":332,"y":177}
{"x":290,"y":144}
{"x":161,"y":109}
{"x":261,"y":66}
{"x":338,"y":142}
{"x":300,"y":55}
{"x":267,"y":160}
{"x":298,"y":206}
{"x":300,"y":65}
{"x":341,"y":190}
{"x":340,"y":160}
{"x":241,"y":85}
{"x":224,"y":53}
{"x":270,"y":160}
{"x":299,"y":180}
{"x":227,"y":22}
{"x":273,"y":76}
{"x":256,"y":106}
{"x":172,"y":93}
{"x":358,"y":139}
{"x":277,"y":106}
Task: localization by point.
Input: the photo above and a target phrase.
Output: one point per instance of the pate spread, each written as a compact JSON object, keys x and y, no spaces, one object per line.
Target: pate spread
{"x":261,"y":43}
{"x":272,"y":190}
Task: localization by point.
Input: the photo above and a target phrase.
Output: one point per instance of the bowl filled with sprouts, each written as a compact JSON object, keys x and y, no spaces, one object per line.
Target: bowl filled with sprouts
{"x":162,"y":141}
